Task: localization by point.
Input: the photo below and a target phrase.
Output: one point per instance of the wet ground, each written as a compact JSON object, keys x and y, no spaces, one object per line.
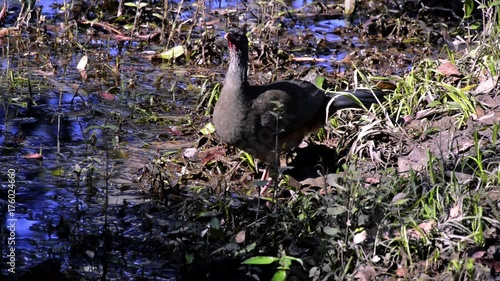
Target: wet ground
{"x":94,"y":151}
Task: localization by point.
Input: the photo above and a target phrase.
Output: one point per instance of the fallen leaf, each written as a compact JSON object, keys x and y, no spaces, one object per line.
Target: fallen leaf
{"x":365,"y":273}
{"x":496,"y":266}
{"x":426,"y":227}
{"x":33,"y":156}
{"x":372,"y":180}
{"x":190,"y":152}
{"x":172,"y":53}
{"x":416,"y":160}
{"x":401,"y":271}
{"x":383,"y":85}
{"x":478,"y":254}
{"x":399,"y":196}
{"x":240,"y":237}
{"x":360,"y":237}
{"x":448,"y":69}
{"x":455,"y":211}
{"x":486,"y":86}
{"x":107,"y":96}
{"x":212,"y":153}
{"x":82,"y":64}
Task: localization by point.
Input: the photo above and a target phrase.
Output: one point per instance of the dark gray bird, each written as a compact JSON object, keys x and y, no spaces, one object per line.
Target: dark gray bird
{"x":245,"y":116}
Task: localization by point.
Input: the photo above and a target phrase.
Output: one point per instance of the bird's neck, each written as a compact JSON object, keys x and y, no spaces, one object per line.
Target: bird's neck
{"x":236,"y":76}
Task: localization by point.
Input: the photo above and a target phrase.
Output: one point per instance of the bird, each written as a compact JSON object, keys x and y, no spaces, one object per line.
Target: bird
{"x":267,"y":120}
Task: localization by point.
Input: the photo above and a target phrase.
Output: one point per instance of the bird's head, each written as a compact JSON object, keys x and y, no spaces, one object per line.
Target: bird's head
{"x":237,"y":40}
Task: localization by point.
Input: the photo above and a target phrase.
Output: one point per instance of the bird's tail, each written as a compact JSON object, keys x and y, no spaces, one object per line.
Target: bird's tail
{"x":354,"y":99}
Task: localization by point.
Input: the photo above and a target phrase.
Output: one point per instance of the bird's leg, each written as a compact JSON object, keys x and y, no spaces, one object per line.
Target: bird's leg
{"x":265,"y":178}
{"x":270,"y":177}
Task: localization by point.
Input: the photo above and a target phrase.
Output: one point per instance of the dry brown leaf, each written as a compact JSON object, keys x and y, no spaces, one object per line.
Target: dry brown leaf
{"x":427,"y":226}
{"x":413,"y":234}
{"x":240,"y":237}
{"x":402,"y":272}
{"x":372,"y":180}
{"x":490,"y":119}
{"x":455,"y":211}
{"x":383,"y":85}
{"x":190,"y":152}
{"x":416,"y":160}
{"x":365,"y":273}
{"x":212,"y":153}
{"x":478,"y":254}
{"x":486,"y":85}
{"x":448,"y":69}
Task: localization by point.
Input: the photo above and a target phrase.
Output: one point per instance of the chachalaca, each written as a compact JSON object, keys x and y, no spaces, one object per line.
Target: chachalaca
{"x":249,"y":117}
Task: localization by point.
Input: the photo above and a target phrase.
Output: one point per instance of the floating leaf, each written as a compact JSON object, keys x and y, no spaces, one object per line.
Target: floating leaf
{"x":33,"y":156}
{"x":82,"y":63}
{"x":172,"y":53}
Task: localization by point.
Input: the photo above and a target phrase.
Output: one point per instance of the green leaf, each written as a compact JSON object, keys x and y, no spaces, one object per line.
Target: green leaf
{"x":260,"y":260}
{"x":400,"y":202}
{"x":468,"y":8}
{"x":279,"y":276}
{"x":335,"y":211}
{"x":171,"y":53}
{"x":319,"y":81}
{"x":475,"y":25}
{"x":130,"y":4}
{"x":332,"y":231}
{"x":128,"y":26}
{"x":158,"y":16}
{"x":296,"y":259}
{"x":208,"y":129}
{"x":215,"y":223}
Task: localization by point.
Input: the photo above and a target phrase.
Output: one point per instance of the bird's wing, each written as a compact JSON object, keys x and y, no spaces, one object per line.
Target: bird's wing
{"x":299,"y":102}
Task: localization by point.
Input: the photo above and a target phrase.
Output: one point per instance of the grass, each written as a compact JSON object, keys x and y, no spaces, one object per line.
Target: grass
{"x":368,"y":217}
{"x":415,"y":224}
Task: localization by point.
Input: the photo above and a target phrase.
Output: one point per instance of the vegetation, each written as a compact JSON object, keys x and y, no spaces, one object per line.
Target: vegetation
{"x":405,"y":190}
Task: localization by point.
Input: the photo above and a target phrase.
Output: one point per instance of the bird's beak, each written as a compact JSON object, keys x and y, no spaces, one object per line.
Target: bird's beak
{"x":230,"y":39}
